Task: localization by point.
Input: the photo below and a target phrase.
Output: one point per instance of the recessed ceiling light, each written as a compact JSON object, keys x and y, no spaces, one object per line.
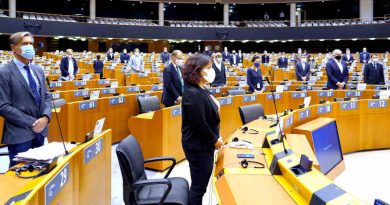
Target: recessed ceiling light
{"x":140,"y":39}
{"x":306,"y":40}
{"x":231,"y":41}
{"x":337,"y":39}
{"x":245,"y":41}
{"x":354,"y":39}
{"x":371,"y":39}
{"x":109,"y":38}
{"x":155,"y":39}
{"x":322,"y":39}
{"x":290,"y":40}
{"x":125,"y":39}
{"x":284,"y":41}
{"x":198,"y":40}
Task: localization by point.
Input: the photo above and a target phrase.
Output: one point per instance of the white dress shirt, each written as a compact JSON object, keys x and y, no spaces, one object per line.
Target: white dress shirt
{"x":339,"y":65}
{"x":70,"y":66}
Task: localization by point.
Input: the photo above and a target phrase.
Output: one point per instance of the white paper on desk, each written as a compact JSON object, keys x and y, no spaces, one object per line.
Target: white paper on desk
{"x":384,"y":94}
{"x":361,"y":86}
{"x":279,"y":88}
{"x":99,"y":127}
{"x":95,"y":95}
{"x":114,"y":84}
{"x":306,"y":101}
{"x":46,"y":152}
{"x":86,"y":77}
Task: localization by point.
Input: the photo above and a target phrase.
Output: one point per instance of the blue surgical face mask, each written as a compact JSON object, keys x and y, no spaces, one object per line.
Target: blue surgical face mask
{"x":256,"y":64}
{"x":28,"y":52}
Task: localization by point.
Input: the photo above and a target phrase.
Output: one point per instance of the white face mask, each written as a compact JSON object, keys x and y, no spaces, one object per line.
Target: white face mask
{"x":179,"y":62}
{"x":375,"y":60}
{"x":210,"y":75}
{"x":219,"y":60}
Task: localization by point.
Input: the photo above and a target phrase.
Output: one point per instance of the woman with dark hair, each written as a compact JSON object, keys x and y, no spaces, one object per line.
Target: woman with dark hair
{"x":254,"y":77}
{"x":200,"y":124}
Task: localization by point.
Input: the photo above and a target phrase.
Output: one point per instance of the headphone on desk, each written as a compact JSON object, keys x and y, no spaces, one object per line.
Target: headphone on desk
{"x":250,"y":131}
{"x":245,"y":164}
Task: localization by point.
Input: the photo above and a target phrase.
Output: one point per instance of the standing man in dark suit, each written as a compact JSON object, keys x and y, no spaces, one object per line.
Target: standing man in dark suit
{"x":24,"y":99}
{"x":364,"y":56}
{"x":347,"y":57}
{"x":207,"y":51}
{"x":337,"y":71}
{"x":240,"y":56}
{"x":254,"y":76}
{"x":302,"y":70}
{"x":373,"y":72}
{"x":110,"y":55}
{"x":225,"y":54}
{"x":98,"y":66}
{"x":124,"y":57}
{"x":220,"y":71}
{"x":164,"y":56}
{"x":283,"y":61}
{"x":68,"y":66}
{"x":265,"y":58}
{"x":173,"y":80}
{"x":234,"y":58}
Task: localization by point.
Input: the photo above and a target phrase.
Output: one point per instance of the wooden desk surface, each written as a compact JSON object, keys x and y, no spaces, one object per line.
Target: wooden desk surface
{"x":241,"y":189}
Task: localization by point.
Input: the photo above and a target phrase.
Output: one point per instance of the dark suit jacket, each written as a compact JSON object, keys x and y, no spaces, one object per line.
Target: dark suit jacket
{"x":209,"y":53}
{"x":225,"y":56}
{"x":264,"y":59}
{"x":364,"y":56}
{"x":334,"y":74}
{"x":172,"y":86}
{"x":220,"y":75}
{"x":253,"y":78}
{"x":110,"y":56}
{"x":18,"y":106}
{"x":374,"y":75}
{"x":98,"y":66}
{"x":124,"y":57}
{"x":64,"y":66}
{"x":200,"y":120}
{"x":165,"y":57}
{"x":282,"y":62}
{"x":231,"y":60}
{"x":299,"y":72}
{"x":348,"y":61}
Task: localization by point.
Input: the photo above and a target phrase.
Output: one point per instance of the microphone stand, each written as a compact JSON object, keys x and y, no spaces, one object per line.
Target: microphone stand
{"x":58,"y":122}
{"x":281,"y":135}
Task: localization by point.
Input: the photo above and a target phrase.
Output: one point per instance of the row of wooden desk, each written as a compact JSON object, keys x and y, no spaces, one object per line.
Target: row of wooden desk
{"x":82,"y":177}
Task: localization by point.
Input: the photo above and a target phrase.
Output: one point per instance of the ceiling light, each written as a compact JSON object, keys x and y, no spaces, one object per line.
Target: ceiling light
{"x":290,"y":40}
{"x":371,"y":39}
{"x":322,"y":39}
{"x":140,"y":39}
{"x":94,"y":38}
{"x":231,"y":41}
{"x":198,"y":40}
{"x":354,"y":39}
{"x":284,"y":41}
{"x":306,"y":40}
{"x":125,"y":39}
{"x":245,"y":41}
{"x":155,"y":39}
{"x":83,"y":39}
{"x":337,"y":39}
{"x":110,"y":39}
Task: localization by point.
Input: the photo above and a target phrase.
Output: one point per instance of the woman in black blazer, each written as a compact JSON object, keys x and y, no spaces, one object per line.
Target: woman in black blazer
{"x":200,"y":124}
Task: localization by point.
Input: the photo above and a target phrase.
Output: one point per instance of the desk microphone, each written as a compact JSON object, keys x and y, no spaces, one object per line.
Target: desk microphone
{"x":281,"y":134}
{"x":58,"y":122}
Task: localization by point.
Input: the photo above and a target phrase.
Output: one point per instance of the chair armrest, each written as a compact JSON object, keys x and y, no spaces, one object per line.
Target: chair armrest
{"x":167,"y":182}
{"x":156,"y":159}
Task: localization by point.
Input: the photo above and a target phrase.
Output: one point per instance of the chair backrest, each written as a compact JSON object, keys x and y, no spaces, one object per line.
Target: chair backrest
{"x":236,"y":92}
{"x":248,"y":113}
{"x":131,"y":162}
{"x":148,"y":104}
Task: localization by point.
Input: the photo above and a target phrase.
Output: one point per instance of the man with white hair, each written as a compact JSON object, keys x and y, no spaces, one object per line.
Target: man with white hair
{"x":337,"y":71}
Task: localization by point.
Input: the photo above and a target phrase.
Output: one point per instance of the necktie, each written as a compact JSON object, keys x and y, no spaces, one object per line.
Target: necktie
{"x":180,"y":77}
{"x":33,"y":85}
{"x":375,"y":66}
